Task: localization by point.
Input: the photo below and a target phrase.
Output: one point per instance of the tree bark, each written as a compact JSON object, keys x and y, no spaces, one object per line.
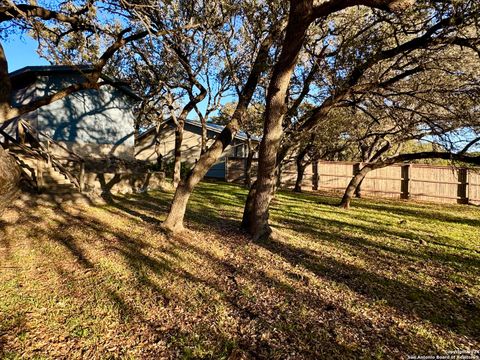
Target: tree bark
{"x":248,"y":209}
{"x":158,"y":150}
{"x":177,"y":165}
{"x":358,"y":190}
{"x":5,"y":87}
{"x":353,"y":186}
{"x":298,"y":23}
{"x":300,"y":172}
{"x":204,"y":135}
{"x":9,"y":170}
{"x":301,"y":166}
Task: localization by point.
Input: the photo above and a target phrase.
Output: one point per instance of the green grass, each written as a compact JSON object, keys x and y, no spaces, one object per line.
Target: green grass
{"x":385,"y":279}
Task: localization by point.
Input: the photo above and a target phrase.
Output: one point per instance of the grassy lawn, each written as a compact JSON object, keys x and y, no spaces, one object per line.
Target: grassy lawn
{"x":383,"y":280}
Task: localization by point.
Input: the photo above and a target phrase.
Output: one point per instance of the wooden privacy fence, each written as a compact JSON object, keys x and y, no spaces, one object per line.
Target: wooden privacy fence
{"x":443,"y":184}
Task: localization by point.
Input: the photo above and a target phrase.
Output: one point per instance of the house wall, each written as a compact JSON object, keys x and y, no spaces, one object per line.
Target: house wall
{"x":191,"y":145}
{"x":91,"y":122}
{"x":21,"y":96}
{"x":24,"y":94}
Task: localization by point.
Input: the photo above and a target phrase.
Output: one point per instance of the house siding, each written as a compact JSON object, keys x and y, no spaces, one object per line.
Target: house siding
{"x":91,"y":122}
{"x":191,"y":147}
{"x":191,"y":144}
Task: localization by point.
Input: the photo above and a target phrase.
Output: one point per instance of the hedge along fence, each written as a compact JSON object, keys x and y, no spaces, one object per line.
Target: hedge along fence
{"x":444,"y":184}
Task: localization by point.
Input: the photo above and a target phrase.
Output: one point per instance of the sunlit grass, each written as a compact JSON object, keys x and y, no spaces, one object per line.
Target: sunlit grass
{"x":384,"y":280}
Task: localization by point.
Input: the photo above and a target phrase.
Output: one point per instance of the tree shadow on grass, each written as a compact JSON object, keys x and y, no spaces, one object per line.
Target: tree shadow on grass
{"x":439,"y":307}
{"x":449,"y":311}
{"x":426,"y":211}
{"x":319,"y":227}
{"x":149,"y":208}
{"x":148,"y":262}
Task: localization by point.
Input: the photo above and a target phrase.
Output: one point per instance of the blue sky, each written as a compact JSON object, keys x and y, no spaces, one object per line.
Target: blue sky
{"x":21,"y":52}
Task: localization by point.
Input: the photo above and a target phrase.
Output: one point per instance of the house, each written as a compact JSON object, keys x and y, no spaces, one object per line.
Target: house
{"x":153,"y":144}
{"x":83,"y":142}
{"x":93,"y":123}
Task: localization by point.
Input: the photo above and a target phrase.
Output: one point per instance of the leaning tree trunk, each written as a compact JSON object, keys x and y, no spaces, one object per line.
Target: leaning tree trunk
{"x":358,"y":190}
{"x":174,"y":220}
{"x":352,"y":187}
{"x":297,"y":26}
{"x":204,"y":135}
{"x":177,"y":165}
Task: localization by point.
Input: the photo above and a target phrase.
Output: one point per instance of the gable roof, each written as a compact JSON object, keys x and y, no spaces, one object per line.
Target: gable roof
{"x":28,"y":74}
{"x":241,"y":135}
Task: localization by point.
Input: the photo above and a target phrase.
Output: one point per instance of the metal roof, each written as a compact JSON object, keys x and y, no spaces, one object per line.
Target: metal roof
{"x":76,"y":69}
{"x":51,"y":69}
{"x":241,"y":135}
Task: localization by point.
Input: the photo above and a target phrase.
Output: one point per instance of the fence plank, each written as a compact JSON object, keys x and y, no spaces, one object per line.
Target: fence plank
{"x":442,"y":184}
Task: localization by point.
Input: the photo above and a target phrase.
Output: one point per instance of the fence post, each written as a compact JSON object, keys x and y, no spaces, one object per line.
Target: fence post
{"x":405,"y":184}
{"x":315,"y":175}
{"x":462,"y":191}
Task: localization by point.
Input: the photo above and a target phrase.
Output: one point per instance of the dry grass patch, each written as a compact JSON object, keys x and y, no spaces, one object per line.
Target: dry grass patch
{"x":383,"y":280}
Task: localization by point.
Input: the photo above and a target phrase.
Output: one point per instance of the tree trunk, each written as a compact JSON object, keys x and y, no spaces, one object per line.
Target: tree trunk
{"x":352,"y":186}
{"x":177,"y":165}
{"x":358,"y":190}
{"x":248,"y":209}
{"x":248,"y":165}
{"x":301,"y":167}
{"x":5,"y":87}
{"x":300,"y":171}
{"x":174,"y":220}
{"x":9,"y":178}
{"x":158,"y":150}
{"x":298,"y":23}
{"x":204,"y":135}
{"x":9,"y":170}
